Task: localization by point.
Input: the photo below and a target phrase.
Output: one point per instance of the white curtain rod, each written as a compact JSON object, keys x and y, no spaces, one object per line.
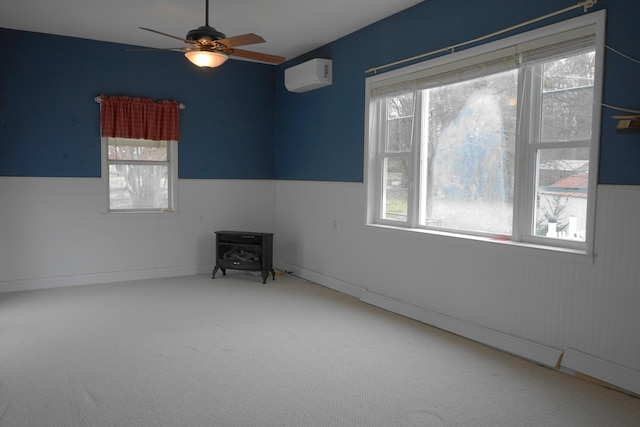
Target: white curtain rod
{"x":98,"y":99}
{"x":584,"y":4}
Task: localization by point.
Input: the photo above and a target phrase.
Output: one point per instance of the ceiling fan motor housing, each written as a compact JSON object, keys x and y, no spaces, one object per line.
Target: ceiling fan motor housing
{"x":205,"y":33}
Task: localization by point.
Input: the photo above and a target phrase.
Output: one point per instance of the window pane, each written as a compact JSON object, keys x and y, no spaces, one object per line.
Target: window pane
{"x":137,"y":149}
{"x":396,"y":189}
{"x":561,"y":193}
{"x":138,"y":187}
{"x":567,"y":98}
{"x":470,"y":155}
{"x":399,"y":123}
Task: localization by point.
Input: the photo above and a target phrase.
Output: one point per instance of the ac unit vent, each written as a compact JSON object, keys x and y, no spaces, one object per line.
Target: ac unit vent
{"x":309,"y":75}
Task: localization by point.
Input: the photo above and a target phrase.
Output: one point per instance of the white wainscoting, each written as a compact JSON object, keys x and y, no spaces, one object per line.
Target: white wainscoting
{"x":537,"y":306}
{"x":55,"y":232}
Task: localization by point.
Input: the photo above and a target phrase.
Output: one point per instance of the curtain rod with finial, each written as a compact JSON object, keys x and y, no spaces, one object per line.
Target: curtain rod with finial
{"x":586,"y":5}
{"x":98,"y":99}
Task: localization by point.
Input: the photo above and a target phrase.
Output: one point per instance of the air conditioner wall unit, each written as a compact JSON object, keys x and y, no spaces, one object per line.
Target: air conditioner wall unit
{"x":309,"y":75}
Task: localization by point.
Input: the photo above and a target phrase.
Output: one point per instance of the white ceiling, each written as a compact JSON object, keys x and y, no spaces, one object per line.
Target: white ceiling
{"x":290,"y":27}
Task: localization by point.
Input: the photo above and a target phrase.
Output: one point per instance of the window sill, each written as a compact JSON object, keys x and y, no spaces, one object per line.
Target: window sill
{"x":164,"y":212}
{"x":528,"y":249}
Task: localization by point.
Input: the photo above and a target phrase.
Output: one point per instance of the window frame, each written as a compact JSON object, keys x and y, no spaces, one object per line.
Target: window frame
{"x":384,"y":155}
{"x":172,"y":177}
{"x":396,"y":81}
{"x":532,"y":142}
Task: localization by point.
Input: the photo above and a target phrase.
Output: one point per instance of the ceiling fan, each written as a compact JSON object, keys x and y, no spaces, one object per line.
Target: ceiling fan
{"x":207,"y":47}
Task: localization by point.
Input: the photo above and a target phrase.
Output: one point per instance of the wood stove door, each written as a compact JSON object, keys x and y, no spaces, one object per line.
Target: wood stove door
{"x":239,"y":256}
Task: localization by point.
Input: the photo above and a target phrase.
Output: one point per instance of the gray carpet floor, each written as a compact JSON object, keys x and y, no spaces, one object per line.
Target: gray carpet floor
{"x":192,"y":351}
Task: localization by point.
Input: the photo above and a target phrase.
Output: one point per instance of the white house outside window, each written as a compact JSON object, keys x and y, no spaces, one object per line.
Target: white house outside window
{"x":497,"y":141}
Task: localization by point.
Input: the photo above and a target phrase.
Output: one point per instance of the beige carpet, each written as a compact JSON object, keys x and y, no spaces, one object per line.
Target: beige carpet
{"x":192,"y":351}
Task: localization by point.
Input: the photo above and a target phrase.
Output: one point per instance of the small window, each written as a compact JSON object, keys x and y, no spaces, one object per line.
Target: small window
{"x":140,"y":174}
{"x":139,"y":153}
{"x":496,"y":142}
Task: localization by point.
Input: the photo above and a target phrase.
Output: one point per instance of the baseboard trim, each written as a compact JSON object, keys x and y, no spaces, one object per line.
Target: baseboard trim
{"x":330,"y":282}
{"x":616,"y":376}
{"x":519,"y":347}
{"x":97,"y":278}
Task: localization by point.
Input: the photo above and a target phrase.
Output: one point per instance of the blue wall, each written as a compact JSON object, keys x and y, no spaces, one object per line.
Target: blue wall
{"x":49,"y":122}
{"x":240,"y":122}
{"x":320,"y":134}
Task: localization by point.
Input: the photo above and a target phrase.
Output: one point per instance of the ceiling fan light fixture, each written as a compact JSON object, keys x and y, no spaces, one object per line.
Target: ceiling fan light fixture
{"x":206,"y":58}
{"x":207,"y":47}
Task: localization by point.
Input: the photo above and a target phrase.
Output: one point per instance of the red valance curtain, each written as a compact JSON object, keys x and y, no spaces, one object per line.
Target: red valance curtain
{"x":139,"y":118}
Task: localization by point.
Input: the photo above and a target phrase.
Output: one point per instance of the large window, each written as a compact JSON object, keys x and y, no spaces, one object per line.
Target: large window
{"x":499,"y":141}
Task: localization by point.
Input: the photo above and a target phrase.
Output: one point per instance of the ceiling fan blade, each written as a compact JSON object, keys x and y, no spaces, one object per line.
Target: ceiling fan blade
{"x":263,"y":57}
{"x":165,"y":34}
{"x":146,"y":49}
{"x":241,"y":40}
